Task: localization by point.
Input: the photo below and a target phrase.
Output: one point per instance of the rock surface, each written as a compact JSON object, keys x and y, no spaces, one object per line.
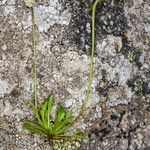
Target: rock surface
{"x":118,"y":111}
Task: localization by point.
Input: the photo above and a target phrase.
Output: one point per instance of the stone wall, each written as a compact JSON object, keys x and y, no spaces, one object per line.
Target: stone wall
{"x":118,"y":111}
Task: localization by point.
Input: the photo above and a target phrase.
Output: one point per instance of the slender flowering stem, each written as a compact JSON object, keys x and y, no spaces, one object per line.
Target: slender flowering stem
{"x":34,"y":57}
{"x":91,"y":63}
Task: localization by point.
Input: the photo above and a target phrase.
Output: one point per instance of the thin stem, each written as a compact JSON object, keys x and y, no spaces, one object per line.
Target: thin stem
{"x":91,"y":63}
{"x":34,"y":58}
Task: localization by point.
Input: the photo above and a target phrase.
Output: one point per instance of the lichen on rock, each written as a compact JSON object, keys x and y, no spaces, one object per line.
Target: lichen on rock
{"x":117,"y":114}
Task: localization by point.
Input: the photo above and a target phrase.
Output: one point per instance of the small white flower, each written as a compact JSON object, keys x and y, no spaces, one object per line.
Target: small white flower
{"x":29,"y":3}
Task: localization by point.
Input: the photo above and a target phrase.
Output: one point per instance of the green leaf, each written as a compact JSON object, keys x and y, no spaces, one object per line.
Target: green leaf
{"x":36,"y":114}
{"x":50,"y":129}
{"x":68,"y":114}
{"x":64,"y":124}
{"x":42,"y":113}
{"x":29,"y":3}
{"x":34,"y":128}
{"x":60,"y":113}
{"x":64,"y":128}
{"x":46,"y":126}
{"x":58,"y":126}
{"x":49,"y":104}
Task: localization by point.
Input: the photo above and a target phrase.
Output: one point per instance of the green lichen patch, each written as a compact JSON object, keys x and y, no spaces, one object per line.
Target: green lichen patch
{"x":66,"y":145}
{"x":119,"y":123}
{"x":138,"y":85}
{"x":110,"y":18}
{"x":80,"y":25}
{"x":133,"y":55}
{"x":131,"y":52}
{"x":104,"y":85}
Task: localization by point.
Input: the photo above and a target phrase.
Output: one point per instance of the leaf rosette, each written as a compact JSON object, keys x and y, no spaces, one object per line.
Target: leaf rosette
{"x":52,"y":128}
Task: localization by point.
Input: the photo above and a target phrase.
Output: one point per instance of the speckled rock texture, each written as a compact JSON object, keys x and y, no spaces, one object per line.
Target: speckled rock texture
{"x":118,"y":111}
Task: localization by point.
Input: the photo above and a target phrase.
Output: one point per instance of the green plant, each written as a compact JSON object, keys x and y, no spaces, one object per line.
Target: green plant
{"x":55,"y":129}
{"x":92,"y":59}
{"x":43,"y":123}
{"x":52,"y":128}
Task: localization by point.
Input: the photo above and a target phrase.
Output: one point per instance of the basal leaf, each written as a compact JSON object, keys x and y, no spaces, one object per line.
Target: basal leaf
{"x":59,"y":125}
{"x":50,"y":129}
{"x":68,"y":114}
{"x":33,"y":128}
{"x":78,"y":132}
{"x":64,"y":128}
{"x":36,"y":114}
{"x":49,"y":105}
{"x":43,"y":110}
{"x":60,"y":113}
